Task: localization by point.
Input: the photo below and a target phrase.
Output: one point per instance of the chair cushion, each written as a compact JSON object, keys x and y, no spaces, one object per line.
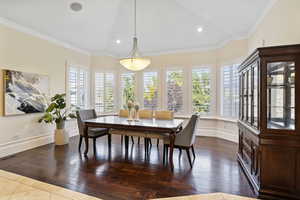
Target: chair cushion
{"x":128,"y":133}
{"x":96,"y":132}
{"x":157,"y":135}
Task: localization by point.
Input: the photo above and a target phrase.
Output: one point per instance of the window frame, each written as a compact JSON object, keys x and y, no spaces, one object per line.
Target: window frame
{"x":87,"y":84}
{"x":114,"y":91}
{"x":212,"y":89}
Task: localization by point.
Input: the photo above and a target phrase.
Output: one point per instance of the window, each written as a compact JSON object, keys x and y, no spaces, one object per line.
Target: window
{"x":104,"y":92}
{"x":230,"y":91}
{"x":201,"y":90}
{"x":150,"y":90}
{"x":175,"y":90}
{"x":78,"y":88}
{"x":128,"y":88}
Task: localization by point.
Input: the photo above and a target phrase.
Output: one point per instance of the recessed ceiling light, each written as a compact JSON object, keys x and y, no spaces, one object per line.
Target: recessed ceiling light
{"x":76,"y":6}
{"x":118,"y":41}
{"x":199,"y":29}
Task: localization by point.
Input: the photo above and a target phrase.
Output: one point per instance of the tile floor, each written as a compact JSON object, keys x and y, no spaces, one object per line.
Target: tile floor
{"x":16,"y":187}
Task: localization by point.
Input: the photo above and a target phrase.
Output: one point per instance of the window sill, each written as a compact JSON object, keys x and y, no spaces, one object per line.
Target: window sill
{"x":232,"y":120}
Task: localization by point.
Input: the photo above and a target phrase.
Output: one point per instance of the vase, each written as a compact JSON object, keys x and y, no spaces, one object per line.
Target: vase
{"x":61,"y":136}
{"x":130,"y":115}
{"x":136,"y":115}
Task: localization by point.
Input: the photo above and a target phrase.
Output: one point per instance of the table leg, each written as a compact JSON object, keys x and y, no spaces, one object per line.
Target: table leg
{"x":172,"y":141}
{"x":86,"y":140}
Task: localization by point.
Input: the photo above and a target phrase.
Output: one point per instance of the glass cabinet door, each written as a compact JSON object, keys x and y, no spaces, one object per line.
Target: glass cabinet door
{"x":255,"y":95}
{"x":245,"y":96}
{"x":249,"y":113}
{"x":281,"y":95}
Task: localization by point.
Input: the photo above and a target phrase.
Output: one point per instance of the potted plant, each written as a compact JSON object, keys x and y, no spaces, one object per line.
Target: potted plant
{"x":57,"y":113}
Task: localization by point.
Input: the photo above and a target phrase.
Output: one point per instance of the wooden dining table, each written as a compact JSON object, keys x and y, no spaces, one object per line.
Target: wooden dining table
{"x":170,"y":127}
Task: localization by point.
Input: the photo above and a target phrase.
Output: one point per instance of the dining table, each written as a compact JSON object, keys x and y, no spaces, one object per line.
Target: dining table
{"x":170,"y":127}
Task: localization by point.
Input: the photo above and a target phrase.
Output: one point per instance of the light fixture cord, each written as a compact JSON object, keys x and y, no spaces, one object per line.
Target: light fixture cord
{"x":134,"y":18}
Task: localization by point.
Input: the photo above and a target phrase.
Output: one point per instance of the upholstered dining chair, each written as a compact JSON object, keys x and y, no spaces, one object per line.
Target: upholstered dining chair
{"x":93,"y":133}
{"x":162,"y":115}
{"x":185,"y":139}
{"x":145,"y":114}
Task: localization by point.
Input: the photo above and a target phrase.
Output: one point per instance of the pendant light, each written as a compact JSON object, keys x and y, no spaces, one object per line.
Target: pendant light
{"x":135,"y":62}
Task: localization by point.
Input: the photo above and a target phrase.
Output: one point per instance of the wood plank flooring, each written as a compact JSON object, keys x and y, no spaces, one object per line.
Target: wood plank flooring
{"x":116,"y":175}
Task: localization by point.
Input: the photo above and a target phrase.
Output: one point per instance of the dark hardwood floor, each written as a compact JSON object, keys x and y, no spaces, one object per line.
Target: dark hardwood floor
{"x":116,"y":175}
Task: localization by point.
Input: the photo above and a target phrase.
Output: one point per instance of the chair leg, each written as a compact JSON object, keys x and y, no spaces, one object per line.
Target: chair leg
{"x":121,"y":139}
{"x":132,"y":140}
{"x":180,"y":151}
{"x":109,"y":140}
{"x":80,"y":142}
{"x":164,"y":154}
{"x":157,"y":142}
{"x":94,"y":145}
{"x":126,"y":142}
{"x":150,"y":142}
{"x":193,"y":151}
{"x":146,"y":146}
{"x":189,"y":156}
{"x":139,"y":140}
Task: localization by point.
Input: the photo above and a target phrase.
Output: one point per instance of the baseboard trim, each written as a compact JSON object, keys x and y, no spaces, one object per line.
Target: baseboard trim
{"x":218,"y":133}
{"x":11,"y":148}
{"x":18,"y":146}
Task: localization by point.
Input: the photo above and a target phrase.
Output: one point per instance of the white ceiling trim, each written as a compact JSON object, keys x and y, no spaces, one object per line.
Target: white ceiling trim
{"x":35,"y":33}
{"x":260,"y":19}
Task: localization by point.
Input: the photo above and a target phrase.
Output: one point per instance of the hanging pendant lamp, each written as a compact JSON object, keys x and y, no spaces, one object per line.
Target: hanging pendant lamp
{"x":135,"y":62}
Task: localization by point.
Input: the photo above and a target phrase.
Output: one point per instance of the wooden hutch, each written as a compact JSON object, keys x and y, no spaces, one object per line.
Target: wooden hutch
{"x":269,"y":121}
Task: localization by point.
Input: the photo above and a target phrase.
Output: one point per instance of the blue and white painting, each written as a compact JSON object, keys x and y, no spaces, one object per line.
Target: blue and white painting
{"x":25,"y":93}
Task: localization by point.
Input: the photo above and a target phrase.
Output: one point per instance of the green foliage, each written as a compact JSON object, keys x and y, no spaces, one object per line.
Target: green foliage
{"x":128,"y":91}
{"x":151,"y":94}
{"x":56,"y":111}
{"x":201,"y":92}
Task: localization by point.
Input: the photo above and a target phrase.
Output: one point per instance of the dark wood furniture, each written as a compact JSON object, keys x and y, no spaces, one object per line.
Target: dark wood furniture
{"x":269,"y":121}
{"x":92,"y":133}
{"x":170,"y":127}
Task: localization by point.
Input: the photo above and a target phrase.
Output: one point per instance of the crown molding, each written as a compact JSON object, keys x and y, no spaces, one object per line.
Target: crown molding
{"x":37,"y":34}
{"x":261,"y":18}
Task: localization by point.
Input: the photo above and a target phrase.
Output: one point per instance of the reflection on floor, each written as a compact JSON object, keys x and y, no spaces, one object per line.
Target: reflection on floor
{"x":212,"y":196}
{"x":115,"y":174}
{"x":16,"y":187}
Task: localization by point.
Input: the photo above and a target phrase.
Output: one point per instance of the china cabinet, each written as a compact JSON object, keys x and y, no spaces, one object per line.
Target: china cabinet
{"x":269,"y":121}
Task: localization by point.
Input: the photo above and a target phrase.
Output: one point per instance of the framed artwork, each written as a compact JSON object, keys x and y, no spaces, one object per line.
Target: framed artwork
{"x":24,"y":92}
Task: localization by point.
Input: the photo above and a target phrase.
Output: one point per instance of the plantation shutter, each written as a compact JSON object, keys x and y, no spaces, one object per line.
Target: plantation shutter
{"x":150,"y":80}
{"x":73,"y":87}
{"x":175,"y":90}
{"x":104,"y":92}
{"x":230,"y":99}
{"x":201,"y":90}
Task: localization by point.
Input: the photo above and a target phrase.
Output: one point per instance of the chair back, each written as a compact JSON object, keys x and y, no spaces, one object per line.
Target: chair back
{"x":164,"y":115}
{"x":146,"y":114}
{"x":124,"y":113}
{"x":84,"y":115}
{"x":188,"y":134}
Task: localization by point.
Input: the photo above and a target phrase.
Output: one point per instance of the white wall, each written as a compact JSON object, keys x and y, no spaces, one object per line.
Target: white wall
{"x":24,"y":52}
{"x":213,"y":124}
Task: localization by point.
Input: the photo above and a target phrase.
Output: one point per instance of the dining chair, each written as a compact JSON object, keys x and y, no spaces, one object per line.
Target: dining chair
{"x":93,"y":133}
{"x":185,"y":139}
{"x":161,"y":115}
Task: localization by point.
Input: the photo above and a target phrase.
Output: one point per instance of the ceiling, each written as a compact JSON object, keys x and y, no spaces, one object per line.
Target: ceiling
{"x":162,"y":25}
